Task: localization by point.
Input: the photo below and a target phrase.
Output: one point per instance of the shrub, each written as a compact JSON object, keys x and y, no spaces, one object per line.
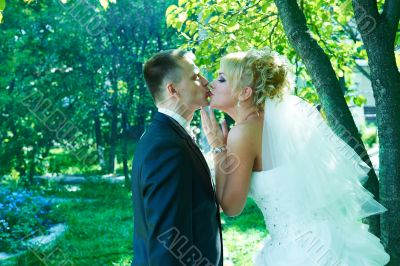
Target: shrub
{"x":23,"y":214}
{"x":369,"y":135}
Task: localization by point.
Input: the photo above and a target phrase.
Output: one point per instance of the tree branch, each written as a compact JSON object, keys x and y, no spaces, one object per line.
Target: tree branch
{"x":391,"y":14}
{"x":368,"y":19}
{"x":347,"y":29}
{"x":273,"y":32}
{"x":366,"y":7}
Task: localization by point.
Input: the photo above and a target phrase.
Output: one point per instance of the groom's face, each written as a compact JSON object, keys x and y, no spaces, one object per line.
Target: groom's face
{"x":193,"y":87}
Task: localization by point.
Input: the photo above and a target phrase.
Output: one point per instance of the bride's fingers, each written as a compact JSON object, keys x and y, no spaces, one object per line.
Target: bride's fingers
{"x":204,"y":120}
{"x":202,"y":116}
{"x":208,"y":118}
{"x":224,"y":127}
{"x":213,"y":119}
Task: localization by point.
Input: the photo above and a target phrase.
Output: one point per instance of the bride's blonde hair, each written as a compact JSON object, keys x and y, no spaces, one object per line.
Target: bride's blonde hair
{"x":264,"y":70}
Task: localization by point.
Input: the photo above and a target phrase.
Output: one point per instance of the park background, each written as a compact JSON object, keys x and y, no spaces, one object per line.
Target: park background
{"x":73,"y":105}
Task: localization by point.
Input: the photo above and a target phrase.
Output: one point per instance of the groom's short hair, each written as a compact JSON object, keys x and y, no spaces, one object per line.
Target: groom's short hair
{"x":161,"y":66}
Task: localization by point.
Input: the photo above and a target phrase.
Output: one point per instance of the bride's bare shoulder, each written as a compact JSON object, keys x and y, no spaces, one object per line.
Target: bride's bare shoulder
{"x":247,"y":131}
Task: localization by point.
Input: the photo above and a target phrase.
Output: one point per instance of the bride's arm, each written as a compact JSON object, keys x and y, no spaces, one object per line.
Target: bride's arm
{"x":233,"y":170}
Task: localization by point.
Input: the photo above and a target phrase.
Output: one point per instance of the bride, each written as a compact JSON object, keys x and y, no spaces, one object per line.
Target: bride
{"x":306,"y":181}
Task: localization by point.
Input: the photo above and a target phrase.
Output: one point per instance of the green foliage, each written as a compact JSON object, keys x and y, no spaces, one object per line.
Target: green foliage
{"x":397,"y":40}
{"x":369,"y":135}
{"x":60,"y":74}
{"x":93,"y":240}
{"x":2,"y":6}
{"x":99,"y":230}
{"x":359,"y":100}
{"x":244,"y":235}
{"x":214,"y":28}
{"x":23,"y":214}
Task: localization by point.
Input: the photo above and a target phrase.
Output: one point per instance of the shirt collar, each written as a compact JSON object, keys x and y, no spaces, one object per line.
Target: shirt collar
{"x":182,"y":121}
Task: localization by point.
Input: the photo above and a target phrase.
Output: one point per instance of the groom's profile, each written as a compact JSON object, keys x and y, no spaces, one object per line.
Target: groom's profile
{"x":176,"y":216}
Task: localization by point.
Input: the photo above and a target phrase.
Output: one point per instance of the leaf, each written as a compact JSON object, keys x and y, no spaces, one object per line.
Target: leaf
{"x":182,"y":17}
{"x":359,"y":100}
{"x":182,"y":2}
{"x":103,"y":3}
{"x":2,"y":5}
{"x":213,"y":20}
{"x":221,"y":8}
{"x":170,"y":19}
{"x":233,"y":27}
{"x":1,"y":17}
{"x":398,"y":59}
{"x":345,"y":8}
{"x":170,"y":9}
{"x":185,"y":36}
{"x":397,"y":41}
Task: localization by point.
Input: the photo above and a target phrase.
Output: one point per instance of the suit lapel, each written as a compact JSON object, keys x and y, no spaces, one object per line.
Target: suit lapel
{"x":199,"y":154}
{"x":184,"y":134}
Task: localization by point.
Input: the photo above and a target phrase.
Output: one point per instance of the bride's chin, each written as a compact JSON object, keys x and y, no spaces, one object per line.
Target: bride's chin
{"x":213,"y":104}
{"x":217,"y":107}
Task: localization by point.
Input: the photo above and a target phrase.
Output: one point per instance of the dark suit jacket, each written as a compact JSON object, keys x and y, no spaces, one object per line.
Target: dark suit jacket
{"x":176,"y":217}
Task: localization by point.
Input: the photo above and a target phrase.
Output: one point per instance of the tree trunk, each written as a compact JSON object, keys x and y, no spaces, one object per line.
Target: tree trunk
{"x":141,"y":112}
{"x":386,"y":86}
{"x":113,"y":134}
{"x":32,"y":165}
{"x":125,"y":127}
{"x":99,"y":140}
{"x":21,"y":166}
{"x":378,"y":32}
{"x":328,"y":87}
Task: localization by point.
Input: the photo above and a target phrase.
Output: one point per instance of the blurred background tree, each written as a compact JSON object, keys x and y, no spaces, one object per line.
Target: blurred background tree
{"x":73,"y":99}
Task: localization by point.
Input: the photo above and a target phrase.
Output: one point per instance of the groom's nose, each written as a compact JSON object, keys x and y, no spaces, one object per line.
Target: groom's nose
{"x":204,"y":81}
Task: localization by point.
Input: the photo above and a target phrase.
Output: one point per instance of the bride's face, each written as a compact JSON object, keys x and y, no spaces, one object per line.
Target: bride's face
{"x":222,"y":97}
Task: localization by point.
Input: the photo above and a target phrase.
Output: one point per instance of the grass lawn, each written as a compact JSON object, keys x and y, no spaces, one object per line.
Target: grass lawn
{"x":100,"y":230}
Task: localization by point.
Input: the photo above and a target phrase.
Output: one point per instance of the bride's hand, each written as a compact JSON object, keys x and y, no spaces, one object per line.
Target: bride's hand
{"x":216,"y":135}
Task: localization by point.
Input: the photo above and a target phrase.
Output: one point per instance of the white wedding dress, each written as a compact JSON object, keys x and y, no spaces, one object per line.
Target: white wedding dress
{"x":311,"y":193}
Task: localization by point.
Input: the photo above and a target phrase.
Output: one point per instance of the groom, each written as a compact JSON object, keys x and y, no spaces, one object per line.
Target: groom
{"x":176,"y":217}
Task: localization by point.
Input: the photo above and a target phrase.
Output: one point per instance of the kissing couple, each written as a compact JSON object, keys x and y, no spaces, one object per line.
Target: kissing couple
{"x":306,"y":181}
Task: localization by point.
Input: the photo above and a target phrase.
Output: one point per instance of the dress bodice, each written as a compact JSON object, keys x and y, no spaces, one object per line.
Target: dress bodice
{"x":269,"y":192}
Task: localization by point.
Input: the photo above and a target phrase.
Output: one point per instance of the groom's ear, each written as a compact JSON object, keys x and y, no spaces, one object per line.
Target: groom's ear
{"x":171,"y":90}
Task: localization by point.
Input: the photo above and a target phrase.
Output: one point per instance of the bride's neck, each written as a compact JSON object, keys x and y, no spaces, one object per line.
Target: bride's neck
{"x":240,"y":114}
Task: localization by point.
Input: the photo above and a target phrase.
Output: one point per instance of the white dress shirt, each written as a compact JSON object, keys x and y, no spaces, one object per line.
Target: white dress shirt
{"x":177,"y":117}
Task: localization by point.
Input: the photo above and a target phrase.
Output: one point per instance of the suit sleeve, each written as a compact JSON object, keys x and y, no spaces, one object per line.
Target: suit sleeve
{"x":167,"y":194}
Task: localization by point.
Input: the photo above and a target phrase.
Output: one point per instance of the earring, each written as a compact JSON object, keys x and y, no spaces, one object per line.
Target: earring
{"x":238,"y":103}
